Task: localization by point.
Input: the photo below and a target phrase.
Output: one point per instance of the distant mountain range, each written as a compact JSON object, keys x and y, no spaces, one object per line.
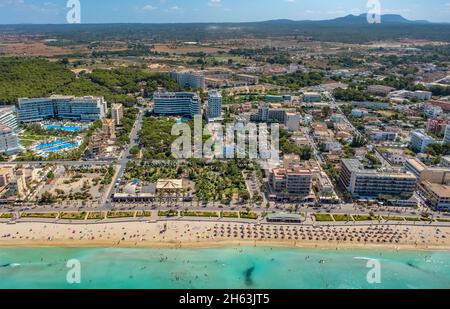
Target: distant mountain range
{"x":347,"y":29}
{"x":353,"y":20}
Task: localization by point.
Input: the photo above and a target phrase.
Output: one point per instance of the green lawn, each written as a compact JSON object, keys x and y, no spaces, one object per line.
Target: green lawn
{"x":323,"y":217}
{"x":342,"y":218}
{"x":394,"y":218}
{"x":250,"y":215}
{"x":365,"y":218}
{"x":168,"y":213}
{"x":204,"y":214}
{"x":44,"y":215}
{"x":96,"y":215}
{"x":412,"y":219}
{"x":144,"y":214}
{"x":120,"y":214}
{"x":442,"y":220}
{"x":6,"y":216}
{"x":229,"y":214}
{"x":73,"y":215}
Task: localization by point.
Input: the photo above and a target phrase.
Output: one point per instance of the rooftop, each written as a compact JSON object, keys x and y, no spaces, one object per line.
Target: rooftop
{"x":169,"y":184}
{"x":443,"y":191}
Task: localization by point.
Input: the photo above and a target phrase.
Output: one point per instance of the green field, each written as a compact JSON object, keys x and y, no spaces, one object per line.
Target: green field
{"x":120,"y":214}
{"x":204,"y":214}
{"x":167,"y":213}
{"x":73,"y":215}
{"x":365,"y":218}
{"x":6,"y":216}
{"x":323,"y":217}
{"x":342,"y":218}
{"x":96,"y":215}
{"x":229,"y":214}
{"x":44,"y":215}
{"x":249,"y":215}
{"x":143,"y":214}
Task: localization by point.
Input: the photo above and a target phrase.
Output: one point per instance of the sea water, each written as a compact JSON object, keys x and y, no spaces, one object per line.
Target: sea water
{"x":241,"y":267}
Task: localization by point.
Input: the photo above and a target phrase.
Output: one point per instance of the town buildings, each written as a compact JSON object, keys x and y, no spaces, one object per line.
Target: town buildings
{"x":277,"y":115}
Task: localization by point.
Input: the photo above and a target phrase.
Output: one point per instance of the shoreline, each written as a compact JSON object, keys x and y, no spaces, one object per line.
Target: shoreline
{"x":202,"y":235}
{"x":219,"y":244}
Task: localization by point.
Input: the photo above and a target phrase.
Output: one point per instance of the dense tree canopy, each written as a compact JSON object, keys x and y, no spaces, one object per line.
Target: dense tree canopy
{"x":35,"y":77}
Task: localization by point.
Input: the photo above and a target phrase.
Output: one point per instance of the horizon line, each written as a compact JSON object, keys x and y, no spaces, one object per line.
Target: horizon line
{"x":221,"y":22}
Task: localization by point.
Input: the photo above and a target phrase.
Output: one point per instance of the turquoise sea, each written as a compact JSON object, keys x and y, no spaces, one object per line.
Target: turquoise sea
{"x":245,"y":267}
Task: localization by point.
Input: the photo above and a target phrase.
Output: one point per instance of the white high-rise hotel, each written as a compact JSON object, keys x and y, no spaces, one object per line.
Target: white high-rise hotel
{"x":214,"y":104}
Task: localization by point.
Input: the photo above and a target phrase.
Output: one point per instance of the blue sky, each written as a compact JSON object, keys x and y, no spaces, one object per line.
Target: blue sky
{"x":162,"y":11}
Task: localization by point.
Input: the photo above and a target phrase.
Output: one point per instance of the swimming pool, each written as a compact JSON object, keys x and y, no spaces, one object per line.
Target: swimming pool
{"x":63,"y":128}
{"x":60,"y":147}
{"x":52,"y":144}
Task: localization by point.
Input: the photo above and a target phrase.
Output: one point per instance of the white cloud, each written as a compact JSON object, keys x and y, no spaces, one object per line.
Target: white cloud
{"x":149,"y":7}
{"x":216,"y":3}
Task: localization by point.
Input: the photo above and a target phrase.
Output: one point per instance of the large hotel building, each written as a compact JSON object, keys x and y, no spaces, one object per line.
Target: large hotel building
{"x":214,"y":105}
{"x":364,"y":183}
{"x":62,"y":107}
{"x":176,"y":103}
{"x":192,"y":79}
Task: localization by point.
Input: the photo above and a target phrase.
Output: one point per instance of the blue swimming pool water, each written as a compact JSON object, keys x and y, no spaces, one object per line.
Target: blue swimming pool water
{"x":64,"y":128}
{"x":52,"y":144}
{"x":60,"y":147}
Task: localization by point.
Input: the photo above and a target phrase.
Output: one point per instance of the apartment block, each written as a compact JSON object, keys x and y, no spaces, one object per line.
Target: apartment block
{"x":378,"y":135}
{"x":437,"y":126}
{"x":117,"y":111}
{"x":438,"y":175}
{"x":277,"y":115}
{"x":436,"y":196}
{"x":191,"y":79}
{"x":420,"y":140}
{"x":447,"y":134}
{"x":9,"y":141}
{"x":8,"y":117}
{"x":311,"y":97}
{"x":292,"y":180}
{"x":364,"y":183}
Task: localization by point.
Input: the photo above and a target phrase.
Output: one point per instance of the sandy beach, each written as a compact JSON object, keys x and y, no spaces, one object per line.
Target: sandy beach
{"x":191,"y":234}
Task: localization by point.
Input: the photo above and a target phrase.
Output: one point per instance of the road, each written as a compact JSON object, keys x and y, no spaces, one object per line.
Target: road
{"x":125,"y":157}
{"x":332,"y":209}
